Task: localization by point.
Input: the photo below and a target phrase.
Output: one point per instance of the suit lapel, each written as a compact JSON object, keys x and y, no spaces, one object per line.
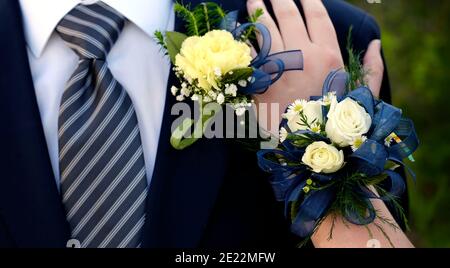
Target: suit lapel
{"x":185,"y":183}
{"x":30,"y":205}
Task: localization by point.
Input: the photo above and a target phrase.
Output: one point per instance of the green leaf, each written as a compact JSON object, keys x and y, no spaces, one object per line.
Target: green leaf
{"x":174,"y":40}
{"x":181,"y":138}
{"x":237,"y":75}
{"x":177,"y":139}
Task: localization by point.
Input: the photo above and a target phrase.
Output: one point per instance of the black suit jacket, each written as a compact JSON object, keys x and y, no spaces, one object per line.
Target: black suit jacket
{"x":209,"y":195}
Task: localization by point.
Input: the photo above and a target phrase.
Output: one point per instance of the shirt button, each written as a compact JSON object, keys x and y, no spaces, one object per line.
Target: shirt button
{"x":73,"y":243}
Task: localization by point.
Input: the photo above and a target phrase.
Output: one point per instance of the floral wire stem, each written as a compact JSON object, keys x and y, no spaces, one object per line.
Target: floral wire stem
{"x":369,"y":231}
{"x":333,"y":225}
{"x":354,"y":68}
{"x":307,"y":239}
{"x":397,"y":206}
{"x":380,"y":228}
{"x":304,"y":120}
{"x":205,"y":11}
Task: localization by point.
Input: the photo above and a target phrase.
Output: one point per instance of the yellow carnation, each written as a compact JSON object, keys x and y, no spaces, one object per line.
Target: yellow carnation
{"x":207,"y":57}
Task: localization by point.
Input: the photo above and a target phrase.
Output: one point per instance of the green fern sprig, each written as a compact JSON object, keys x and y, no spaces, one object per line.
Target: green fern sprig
{"x":160,"y":40}
{"x":250,"y":34}
{"x":188,"y":16}
{"x":202,"y":18}
{"x":209,"y":16}
{"x":354,"y":68}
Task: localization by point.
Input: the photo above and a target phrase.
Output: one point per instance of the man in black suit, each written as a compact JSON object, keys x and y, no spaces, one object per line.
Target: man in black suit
{"x":209,"y":195}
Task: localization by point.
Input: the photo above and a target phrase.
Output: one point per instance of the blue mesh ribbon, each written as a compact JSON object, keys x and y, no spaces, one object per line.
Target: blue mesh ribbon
{"x":267,"y":68}
{"x":289,"y":176}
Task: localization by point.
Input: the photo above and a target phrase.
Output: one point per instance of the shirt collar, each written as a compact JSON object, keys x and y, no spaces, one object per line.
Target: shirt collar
{"x":41,"y":17}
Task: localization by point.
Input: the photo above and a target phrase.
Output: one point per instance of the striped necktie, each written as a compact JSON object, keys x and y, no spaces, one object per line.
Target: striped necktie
{"x":103,"y":178}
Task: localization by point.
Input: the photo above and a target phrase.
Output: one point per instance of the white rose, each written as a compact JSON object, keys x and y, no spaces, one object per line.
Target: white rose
{"x":347,"y":121}
{"x":312,"y":110}
{"x":323,"y":158}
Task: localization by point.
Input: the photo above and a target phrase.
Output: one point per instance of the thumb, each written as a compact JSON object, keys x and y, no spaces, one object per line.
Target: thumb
{"x":373,"y":64}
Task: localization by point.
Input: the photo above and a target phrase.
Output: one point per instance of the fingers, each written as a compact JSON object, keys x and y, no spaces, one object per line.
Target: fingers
{"x":291,"y":24}
{"x":320,"y":28}
{"x":373,"y":64}
{"x":266,"y":19}
{"x":253,"y":52}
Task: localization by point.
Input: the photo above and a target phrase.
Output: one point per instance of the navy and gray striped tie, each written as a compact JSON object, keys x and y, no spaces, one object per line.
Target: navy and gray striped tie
{"x":103,"y":178}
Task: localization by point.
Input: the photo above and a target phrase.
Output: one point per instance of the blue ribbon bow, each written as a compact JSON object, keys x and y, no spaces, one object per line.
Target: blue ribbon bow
{"x":267,"y":69}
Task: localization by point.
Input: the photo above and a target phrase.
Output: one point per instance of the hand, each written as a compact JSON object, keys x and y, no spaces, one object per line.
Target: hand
{"x":320,"y":49}
{"x":318,"y":42}
{"x":373,"y":64}
{"x":347,"y":235}
{"x":322,"y":54}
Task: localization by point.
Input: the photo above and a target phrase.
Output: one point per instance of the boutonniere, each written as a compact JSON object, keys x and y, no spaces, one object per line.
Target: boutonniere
{"x":337,"y":152}
{"x":214,"y":65}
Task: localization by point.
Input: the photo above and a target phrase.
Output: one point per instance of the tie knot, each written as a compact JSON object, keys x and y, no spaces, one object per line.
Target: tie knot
{"x":91,"y":30}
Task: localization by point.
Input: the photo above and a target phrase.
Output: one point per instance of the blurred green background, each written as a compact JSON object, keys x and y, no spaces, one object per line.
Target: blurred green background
{"x":415,"y":36}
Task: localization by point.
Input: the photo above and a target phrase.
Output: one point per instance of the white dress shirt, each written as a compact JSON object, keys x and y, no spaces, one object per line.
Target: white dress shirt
{"x":136,"y":61}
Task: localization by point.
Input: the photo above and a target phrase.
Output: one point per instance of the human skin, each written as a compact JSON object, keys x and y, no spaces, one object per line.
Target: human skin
{"x":318,"y":40}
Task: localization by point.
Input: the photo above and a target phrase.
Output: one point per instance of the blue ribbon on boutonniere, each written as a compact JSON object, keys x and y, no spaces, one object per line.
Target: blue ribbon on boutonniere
{"x":267,"y":68}
{"x":289,"y":176}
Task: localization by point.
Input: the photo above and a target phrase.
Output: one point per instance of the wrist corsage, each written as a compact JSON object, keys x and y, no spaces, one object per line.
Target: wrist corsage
{"x":214,"y":65}
{"x":335,"y":153}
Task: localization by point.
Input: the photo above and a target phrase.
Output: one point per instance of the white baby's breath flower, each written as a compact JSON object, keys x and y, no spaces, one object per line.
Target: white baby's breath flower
{"x":242,"y":83}
{"x":174,"y":90}
{"x":220,"y":99}
{"x":185,"y":91}
{"x":231,"y":90}
{"x":283,"y":134}
{"x":195,"y":97}
{"x":212,"y":95}
{"x":180,"y":98}
{"x":240,"y":111}
{"x":207,"y":99}
{"x":357,"y":142}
